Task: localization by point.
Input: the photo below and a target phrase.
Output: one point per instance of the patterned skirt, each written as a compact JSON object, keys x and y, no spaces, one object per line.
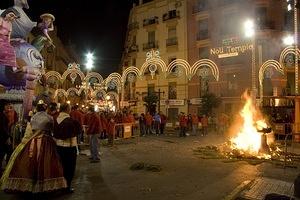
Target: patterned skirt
{"x":36,"y":168}
{"x":7,"y":53}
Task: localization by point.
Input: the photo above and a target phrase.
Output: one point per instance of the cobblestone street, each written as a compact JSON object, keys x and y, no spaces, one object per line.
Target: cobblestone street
{"x":183,"y":174}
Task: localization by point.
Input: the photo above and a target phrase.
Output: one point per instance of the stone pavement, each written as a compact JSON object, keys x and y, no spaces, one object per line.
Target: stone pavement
{"x":263,"y":186}
{"x":183,"y":176}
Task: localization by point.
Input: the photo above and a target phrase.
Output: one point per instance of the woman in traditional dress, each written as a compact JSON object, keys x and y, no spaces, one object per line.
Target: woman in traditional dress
{"x":34,"y":165}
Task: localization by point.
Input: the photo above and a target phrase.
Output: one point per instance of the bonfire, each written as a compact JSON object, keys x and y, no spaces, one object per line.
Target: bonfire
{"x":251,"y":138}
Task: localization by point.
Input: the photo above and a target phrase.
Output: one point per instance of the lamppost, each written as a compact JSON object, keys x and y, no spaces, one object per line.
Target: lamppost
{"x":250,"y":33}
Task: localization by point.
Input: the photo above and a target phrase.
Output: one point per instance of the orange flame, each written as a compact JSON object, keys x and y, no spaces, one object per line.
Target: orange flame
{"x":248,"y":138}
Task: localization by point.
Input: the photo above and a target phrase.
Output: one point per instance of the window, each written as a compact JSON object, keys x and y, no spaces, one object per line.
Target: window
{"x":151,"y":37}
{"x":134,"y":40}
{"x":203,"y":29}
{"x":261,"y":17}
{"x":170,"y":60}
{"x":172,"y":32}
{"x":289,"y":21}
{"x":229,"y":24}
{"x":172,"y":90}
{"x":133,"y":62}
{"x":203,"y":53}
{"x":201,"y":5}
{"x":232,"y":83}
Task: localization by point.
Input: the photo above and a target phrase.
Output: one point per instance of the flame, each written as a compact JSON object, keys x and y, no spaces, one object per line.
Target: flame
{"x":248,"y":139}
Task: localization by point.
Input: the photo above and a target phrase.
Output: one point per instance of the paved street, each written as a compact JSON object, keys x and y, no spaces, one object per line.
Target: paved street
{"x":183,"y":174}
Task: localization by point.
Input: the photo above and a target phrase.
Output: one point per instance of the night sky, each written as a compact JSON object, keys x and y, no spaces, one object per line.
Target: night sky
{"x":87,"y":26}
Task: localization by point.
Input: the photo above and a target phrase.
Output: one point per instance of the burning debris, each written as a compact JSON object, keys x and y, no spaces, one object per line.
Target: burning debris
{"x":251,"y":140}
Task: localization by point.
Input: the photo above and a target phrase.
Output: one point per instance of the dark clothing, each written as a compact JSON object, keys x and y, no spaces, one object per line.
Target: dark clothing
{"x":68,"y":157}
{"x":68,"y":128}
{"x":4,"y":135}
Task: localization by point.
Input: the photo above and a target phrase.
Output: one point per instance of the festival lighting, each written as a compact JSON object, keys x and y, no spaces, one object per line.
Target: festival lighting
{"x":288,"y":40}
{"x":89,"y":61}
{"x":249,"y":28}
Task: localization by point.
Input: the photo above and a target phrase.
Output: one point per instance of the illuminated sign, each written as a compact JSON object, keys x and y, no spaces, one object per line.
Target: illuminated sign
{"x":230,"y":51}
{"x":231,"y":47}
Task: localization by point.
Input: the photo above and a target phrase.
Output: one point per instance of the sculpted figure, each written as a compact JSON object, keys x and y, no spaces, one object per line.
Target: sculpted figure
{"x":44,"y":27}
{"x":7,"y":53}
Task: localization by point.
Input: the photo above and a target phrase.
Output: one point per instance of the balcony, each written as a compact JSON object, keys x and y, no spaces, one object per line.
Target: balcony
{"x":133,"y":48}
{"x":150,"y":45}
{"x":200,"y":8}
{"x":171,"y":41}
{"x":150,"y":21}
{"x":265,"y":25}
{"x":172,"y":14}
{"x":133,"y":26}
{"x":202,"y":35}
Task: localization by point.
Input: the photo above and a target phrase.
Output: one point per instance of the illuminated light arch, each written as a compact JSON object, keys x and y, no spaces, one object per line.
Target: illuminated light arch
{"x":77,"y":92}
{"x":206,"y":63}
{"x":114,"y":94}
{"x":285,"y":52}
{"x":269,"y":63}
{"x":73,"y":70}
{"x":129,"y":70}
{"x":60,"y":91}
{"x":53,"y":74}
{"x":182,"y":63}
{"x":94,"y":75}
{"x":153,"y":61}
{"x":99,"y":91}
{"x":116,"y":77}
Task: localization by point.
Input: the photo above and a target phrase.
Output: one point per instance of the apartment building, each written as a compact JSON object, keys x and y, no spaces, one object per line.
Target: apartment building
{"x":158,"y":26}
{"x":216,"y":31}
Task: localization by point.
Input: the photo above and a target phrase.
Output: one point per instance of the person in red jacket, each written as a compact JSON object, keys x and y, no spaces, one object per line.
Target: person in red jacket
{"x":183,"y":124}
{"x":195,"y":122}
{"x":93,"y":130}
{"x":111,"y":130}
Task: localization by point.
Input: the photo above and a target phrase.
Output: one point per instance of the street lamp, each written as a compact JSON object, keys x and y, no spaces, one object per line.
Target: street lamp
{"x":89,"y":61}
{"x":288,"y":40}
{"x":249,"y":28}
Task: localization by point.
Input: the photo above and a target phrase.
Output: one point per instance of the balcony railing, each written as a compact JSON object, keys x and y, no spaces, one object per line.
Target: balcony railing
{"x":150,"y":21}
{"x":172,"y":41}
{"x":150,"y":45}
{"x":133,"y":48}
{"x":202,"y":35}
{"x":265,"y":25}
{"x":133,"y":25}
{"x":171,"y":15}
{"x":200,"y":8}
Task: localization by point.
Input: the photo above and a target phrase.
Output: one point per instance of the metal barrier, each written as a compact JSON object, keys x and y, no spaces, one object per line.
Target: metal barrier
{"x":124,"y":131}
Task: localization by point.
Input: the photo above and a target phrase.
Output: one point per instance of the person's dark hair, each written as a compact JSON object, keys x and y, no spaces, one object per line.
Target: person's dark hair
{"x":65,"y":108}
{"x":3,"y":102}
{"x":41,"y":107}
{"x":53,"y":106}
{"x":75,"y":107}
{"x":9,"y":10}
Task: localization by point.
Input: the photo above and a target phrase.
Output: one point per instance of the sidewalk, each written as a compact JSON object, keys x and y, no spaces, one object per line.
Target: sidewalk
{"x":258,"y":188}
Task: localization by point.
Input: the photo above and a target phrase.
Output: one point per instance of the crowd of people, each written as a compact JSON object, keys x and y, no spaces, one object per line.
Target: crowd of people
{"x":53,"y":133}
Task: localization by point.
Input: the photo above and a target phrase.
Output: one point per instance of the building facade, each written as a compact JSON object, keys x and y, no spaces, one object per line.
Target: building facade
{"x":160,"y":26}
{"x":217,"y":32}
{"x":214,"y":30}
